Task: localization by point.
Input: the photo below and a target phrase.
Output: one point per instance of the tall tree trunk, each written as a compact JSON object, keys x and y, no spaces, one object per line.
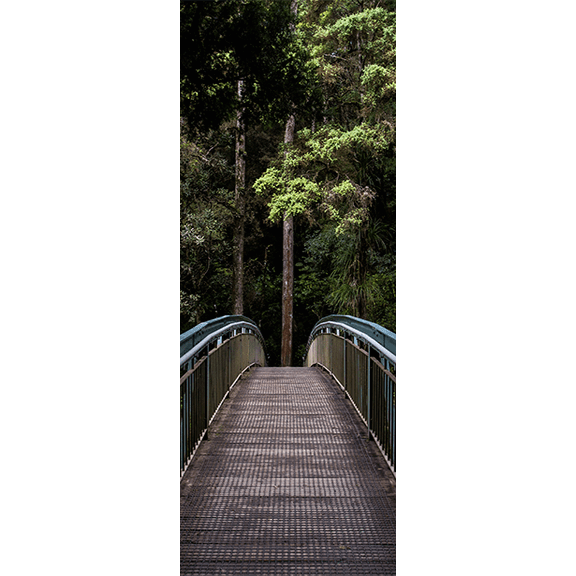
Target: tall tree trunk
{"x":287,"y":283}
{"x":288,"y":258}
{"x":287,"y":292}
{"x":240,"y":201}
{"x":288,"y":271}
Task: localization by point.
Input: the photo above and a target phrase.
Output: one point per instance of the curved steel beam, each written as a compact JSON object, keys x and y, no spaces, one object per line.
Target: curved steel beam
{"x":361,"y":334}
{"x":214,"y":334}
{"x":190,"y":338}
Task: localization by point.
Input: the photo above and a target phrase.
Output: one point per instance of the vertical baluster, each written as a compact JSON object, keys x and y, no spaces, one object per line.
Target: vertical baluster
{"x":345,"y":366}
{"x":393,"y":458}
{"x":369,"y":397}
{"x":207,"y":385}
{"x":181,"y":434}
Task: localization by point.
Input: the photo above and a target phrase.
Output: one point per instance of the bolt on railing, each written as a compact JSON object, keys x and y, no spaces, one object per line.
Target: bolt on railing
{"x":213,"y":357}
{"x":361,"y":357}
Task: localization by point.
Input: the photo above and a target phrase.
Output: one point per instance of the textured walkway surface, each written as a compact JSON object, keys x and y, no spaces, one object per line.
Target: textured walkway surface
{"x":287,"y":483}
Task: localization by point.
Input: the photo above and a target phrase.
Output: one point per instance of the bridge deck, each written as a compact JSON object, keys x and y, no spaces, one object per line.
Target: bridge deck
{"x":287,"y":483}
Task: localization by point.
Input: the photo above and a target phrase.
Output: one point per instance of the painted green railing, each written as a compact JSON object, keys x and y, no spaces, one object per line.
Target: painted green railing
{"x":213,"y":356}
{"x":361,"y":357}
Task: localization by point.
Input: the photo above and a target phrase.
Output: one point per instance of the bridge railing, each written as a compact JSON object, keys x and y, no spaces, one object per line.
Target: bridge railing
{"x":361,"y":357}
{"x":213,"y":357}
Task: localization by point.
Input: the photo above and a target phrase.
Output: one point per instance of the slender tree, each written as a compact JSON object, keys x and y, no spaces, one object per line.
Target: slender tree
{"x":288,"y":252}
{"x":240,"y":202}
{"x":288,"y":270}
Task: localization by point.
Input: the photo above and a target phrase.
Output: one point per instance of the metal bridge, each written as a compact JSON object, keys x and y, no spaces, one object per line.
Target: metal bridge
{"x":288,"y":470}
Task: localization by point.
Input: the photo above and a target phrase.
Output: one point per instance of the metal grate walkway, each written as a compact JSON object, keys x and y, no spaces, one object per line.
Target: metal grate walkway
{"x":287,"y":483}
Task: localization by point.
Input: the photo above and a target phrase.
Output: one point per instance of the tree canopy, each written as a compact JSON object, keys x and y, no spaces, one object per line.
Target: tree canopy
{"x":333,"y":69}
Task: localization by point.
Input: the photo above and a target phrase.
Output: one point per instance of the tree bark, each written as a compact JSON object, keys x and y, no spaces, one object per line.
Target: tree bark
{"x":288,"y":271}
{"x":288,"y":257}
{"x":287,"y":292}
{"x":240,"y":201}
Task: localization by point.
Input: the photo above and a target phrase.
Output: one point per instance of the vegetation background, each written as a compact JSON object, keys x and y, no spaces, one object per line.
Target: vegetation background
{"x":288,"y":116}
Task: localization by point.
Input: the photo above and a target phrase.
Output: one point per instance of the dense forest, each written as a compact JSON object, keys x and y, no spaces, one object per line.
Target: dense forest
{"x":288,"y":185}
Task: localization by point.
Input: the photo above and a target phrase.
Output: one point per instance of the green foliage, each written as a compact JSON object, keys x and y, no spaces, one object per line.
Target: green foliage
{"x":291,"y":196}
{"x":337,"y":73}
{"x":205,"y":215}
{"x":348,"y":273}
{"x":326,"y":170}
{"x":224,"y":41}
{"x":337,"y":170}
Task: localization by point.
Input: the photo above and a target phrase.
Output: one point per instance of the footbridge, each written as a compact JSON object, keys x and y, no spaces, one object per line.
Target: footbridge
{"x":288,"y":470}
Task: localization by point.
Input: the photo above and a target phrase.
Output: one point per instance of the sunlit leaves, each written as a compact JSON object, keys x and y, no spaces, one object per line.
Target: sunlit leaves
{"x":320,"y":171}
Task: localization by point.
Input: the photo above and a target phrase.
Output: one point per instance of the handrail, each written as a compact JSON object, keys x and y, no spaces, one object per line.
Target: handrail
{"x":190,"y":338}
{"x":361,"y":357}
{"x":215,"y":334}
{"x":213,"y":357}
{"x":380,"y":338}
